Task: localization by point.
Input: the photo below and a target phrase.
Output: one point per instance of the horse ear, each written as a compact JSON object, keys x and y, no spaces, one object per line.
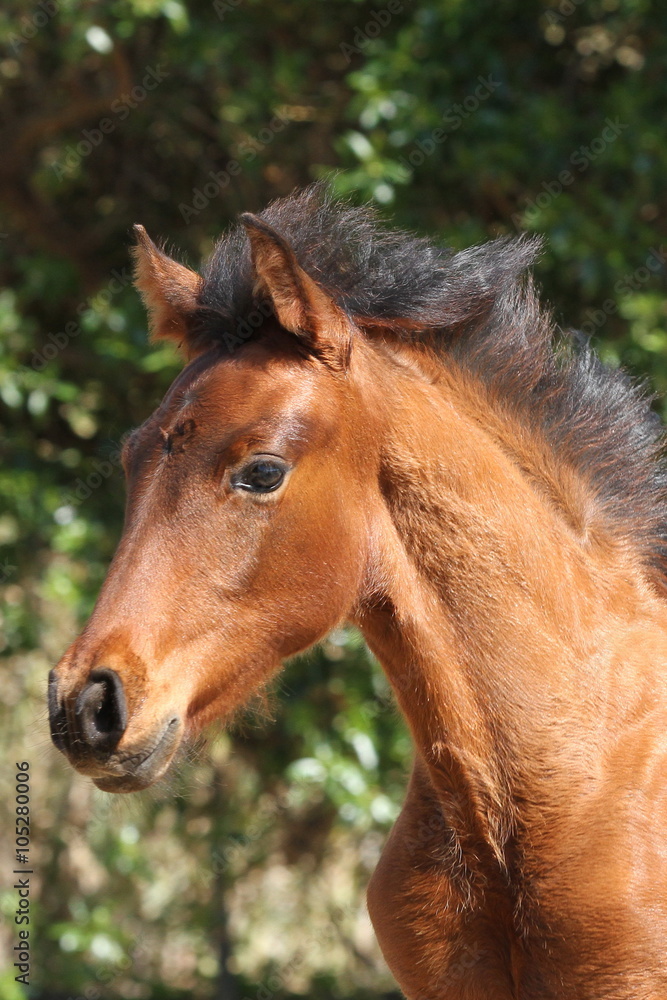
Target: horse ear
{"x":301,"y":305}
{"x":169,"y":289}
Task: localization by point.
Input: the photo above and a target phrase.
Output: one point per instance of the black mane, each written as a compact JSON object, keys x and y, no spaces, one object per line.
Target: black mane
{"x":483,"y":313}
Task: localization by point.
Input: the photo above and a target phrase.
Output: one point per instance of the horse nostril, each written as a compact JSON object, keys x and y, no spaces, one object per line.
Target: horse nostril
{"x":100,"y":710}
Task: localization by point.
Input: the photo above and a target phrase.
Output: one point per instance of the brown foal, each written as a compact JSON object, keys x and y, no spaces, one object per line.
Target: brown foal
{"x":374,"y":430}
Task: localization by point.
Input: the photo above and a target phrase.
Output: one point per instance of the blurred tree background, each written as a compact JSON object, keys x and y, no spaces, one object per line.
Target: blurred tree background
{"x":243,"y":878}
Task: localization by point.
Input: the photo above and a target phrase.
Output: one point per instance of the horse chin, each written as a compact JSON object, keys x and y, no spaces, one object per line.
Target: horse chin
{"x":127,"y":783}
{"x":135,"y":769}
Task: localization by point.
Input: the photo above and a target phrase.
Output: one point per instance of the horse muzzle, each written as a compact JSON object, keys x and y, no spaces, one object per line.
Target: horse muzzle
{"x":88,"y":728}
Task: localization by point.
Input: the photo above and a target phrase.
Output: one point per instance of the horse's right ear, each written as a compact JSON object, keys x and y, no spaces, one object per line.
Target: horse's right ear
{"x":169,"y":290}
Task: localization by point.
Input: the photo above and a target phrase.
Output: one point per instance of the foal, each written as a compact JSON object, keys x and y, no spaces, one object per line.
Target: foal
{"x":372,"y":429}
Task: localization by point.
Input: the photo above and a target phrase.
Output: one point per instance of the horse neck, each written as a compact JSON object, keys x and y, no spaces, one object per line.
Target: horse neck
{"x":489,"y":587}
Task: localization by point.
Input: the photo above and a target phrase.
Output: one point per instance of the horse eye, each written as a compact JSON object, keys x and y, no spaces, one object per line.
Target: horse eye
{"x":261,"y":476}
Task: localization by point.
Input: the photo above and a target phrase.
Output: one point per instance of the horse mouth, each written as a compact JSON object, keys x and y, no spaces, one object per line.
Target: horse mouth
{"x":137,"y":768}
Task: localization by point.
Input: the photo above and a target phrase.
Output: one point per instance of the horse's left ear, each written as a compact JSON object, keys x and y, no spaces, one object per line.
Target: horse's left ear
{"x":169,"y":290}
{"x":301,"y":305}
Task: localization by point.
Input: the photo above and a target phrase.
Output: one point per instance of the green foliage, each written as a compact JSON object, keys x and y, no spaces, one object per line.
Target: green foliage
{"x":460,"y":120}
